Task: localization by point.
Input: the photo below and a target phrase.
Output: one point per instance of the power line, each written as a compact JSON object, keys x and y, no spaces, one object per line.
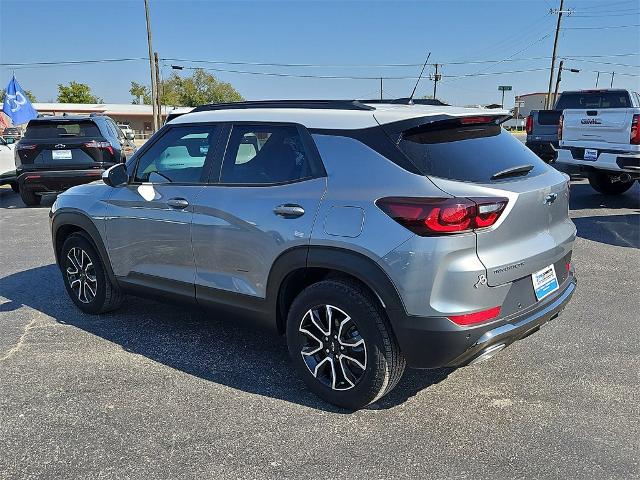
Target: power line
{"x":602,"y":27}
{"x":605,"y":5}
{"x":70,"y":62}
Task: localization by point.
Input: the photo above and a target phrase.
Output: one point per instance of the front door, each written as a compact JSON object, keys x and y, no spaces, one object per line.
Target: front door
{"x":149,"y":220}
{"x":263,"y":202}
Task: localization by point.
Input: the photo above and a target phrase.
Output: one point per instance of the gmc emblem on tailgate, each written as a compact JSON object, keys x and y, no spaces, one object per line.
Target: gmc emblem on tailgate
{"x":591,"y":121}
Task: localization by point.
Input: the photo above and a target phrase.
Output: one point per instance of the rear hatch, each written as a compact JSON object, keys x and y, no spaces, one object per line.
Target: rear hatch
{"x":63,"y":144}
{"x":482,"y":160}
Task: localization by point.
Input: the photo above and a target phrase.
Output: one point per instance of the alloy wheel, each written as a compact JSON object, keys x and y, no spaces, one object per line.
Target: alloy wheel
{"x":81,"y":275}
{"x":333,"y":348}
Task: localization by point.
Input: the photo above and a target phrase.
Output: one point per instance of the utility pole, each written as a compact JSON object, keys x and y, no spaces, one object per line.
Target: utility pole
{"x":154,"y":79}
{"x":158,"y":88}
{"x":436,"y":79}
{"x":555,"y":48}
{"x":558,"y":79}
{"x":612,"y":75}
{"x":597,"y":78}
{"x":380,"y":88}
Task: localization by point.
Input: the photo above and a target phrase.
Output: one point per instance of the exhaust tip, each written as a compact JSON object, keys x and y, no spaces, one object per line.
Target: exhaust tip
{"x":488,"y":353}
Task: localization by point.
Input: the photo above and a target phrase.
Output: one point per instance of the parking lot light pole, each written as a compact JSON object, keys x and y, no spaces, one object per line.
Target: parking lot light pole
{"x":154,"y":80}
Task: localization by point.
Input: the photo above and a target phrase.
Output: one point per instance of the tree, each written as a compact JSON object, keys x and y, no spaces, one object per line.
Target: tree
{"x":28,"y":94}
{"x":76,"y":93}
{"x":200,"y":88}
{"x":138,"y":92}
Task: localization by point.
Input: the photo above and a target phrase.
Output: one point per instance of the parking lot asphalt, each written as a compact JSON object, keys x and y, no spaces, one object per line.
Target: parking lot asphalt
{"x":163,"y":391}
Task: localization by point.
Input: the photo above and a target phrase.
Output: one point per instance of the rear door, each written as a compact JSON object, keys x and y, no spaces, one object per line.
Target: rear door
{"x":262,"y":202}
{"x":149,"y":220}
{"x":534,"y":230}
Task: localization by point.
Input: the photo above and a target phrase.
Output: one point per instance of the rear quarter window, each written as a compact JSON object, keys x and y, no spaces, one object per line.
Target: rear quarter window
{"x":469,"y":153}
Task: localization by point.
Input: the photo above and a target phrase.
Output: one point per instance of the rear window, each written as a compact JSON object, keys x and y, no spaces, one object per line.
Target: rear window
{"x":473,"y":153}
{"x":585,"y":100}
{"x":64,"y":129}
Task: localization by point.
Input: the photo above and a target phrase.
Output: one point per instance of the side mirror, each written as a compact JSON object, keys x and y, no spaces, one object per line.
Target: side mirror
{"x":116,"y":175}
{"x":130,"y":135}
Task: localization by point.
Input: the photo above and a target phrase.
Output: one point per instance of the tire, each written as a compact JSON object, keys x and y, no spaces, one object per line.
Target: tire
{"x":601,"y":182}
{"x":29,"y":198}
{"x":363,"y":339}
{"x":94,"y":293}
{"x":15,"y":187}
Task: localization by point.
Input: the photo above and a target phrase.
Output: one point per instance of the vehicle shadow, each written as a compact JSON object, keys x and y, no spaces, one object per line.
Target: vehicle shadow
{"x":205,"y":344}
{"x":618,"y":230}
{"x":10,"y":200}
{"x":583,"y":197}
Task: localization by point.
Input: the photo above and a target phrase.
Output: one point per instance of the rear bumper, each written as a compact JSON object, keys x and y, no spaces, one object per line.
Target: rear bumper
{"x":434,"y":342}
{"x":570,"y":160}
{"x":42,"y":181}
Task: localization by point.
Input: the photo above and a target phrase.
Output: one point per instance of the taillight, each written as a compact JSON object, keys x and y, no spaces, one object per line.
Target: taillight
{"x":635,"y":130}
{"x":22,"y":146}
{"x":476,"y":317}
{"x":101,"y":145}
{"x":529,"y":125}
{"x":437,"y":216}
{"x":477,"y":119}
{"x":560,"y":127}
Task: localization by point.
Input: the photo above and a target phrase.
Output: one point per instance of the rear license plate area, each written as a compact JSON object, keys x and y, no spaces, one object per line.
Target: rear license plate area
{"x":590,"y":154}
{"x":61,"y":154}
{"x":545,"y":282}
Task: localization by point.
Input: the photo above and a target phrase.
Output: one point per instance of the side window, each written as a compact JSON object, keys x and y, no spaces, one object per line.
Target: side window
{"x":178,"y":156}
{"x":116,"y":129}
{"x":264,"y":154}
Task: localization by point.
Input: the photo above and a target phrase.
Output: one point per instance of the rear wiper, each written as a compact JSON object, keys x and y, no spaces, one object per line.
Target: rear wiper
{"x":512,"y":172}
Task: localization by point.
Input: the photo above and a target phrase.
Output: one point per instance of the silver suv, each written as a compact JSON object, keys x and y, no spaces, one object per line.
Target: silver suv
{"x":374,"y":236}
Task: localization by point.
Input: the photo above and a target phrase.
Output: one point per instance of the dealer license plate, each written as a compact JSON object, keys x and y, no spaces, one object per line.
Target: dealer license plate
{"x":61,"y":154}
{"x":545,"y":282}
{"x":590,"y":154}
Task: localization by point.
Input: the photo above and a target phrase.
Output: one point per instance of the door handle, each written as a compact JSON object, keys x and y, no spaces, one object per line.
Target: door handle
{"x":289,"y":210}
{"x":179,"y":203}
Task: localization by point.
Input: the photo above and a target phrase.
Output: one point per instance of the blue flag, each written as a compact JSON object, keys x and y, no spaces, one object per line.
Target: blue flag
{"x":16,"y":104}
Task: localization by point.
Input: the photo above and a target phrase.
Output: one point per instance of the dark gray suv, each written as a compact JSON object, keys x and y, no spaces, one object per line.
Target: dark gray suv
{"x":373,"y":235}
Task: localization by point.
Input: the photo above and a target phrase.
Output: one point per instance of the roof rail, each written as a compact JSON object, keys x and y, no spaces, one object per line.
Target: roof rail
{"x":308,"y":104}
{"x":407,"y":101}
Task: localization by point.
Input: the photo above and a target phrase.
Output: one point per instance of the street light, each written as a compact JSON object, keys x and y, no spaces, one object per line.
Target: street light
{"x":177,"y":67}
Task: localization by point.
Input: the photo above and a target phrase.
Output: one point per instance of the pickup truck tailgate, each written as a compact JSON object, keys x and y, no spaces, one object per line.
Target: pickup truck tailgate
{"x":608,"y":125}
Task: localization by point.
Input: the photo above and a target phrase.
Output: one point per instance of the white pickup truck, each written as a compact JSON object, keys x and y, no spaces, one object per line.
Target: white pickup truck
{"x":602,"y":140}
{"x":7,"y":163}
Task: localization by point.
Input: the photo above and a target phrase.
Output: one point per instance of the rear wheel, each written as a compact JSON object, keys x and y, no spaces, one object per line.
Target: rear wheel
{"x":29,"y":197}
{"x":341,"y":344}
{"x":85,"y":278}
{"x":603,"y":182}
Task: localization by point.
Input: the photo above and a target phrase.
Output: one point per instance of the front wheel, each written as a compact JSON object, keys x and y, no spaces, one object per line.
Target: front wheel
{"x":342,"y":345}
{"x":602,"y":182}
{"x":85,"y":278}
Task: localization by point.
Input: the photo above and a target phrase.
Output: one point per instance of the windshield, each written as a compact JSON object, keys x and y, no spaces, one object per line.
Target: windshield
{"x":474,"y":153}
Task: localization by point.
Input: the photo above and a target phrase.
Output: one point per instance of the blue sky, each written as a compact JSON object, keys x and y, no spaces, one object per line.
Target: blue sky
{"x":347,"y":33}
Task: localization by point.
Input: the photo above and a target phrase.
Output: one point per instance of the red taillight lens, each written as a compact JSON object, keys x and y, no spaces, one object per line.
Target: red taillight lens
{"x":529,"y":125}
{"x":434,"y":216}
{"x":635,"y":130}
{"x":101,"y":145}
{"x":561,"y":121}
{"x":476,"y":317}
{"x":477,"y":119}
